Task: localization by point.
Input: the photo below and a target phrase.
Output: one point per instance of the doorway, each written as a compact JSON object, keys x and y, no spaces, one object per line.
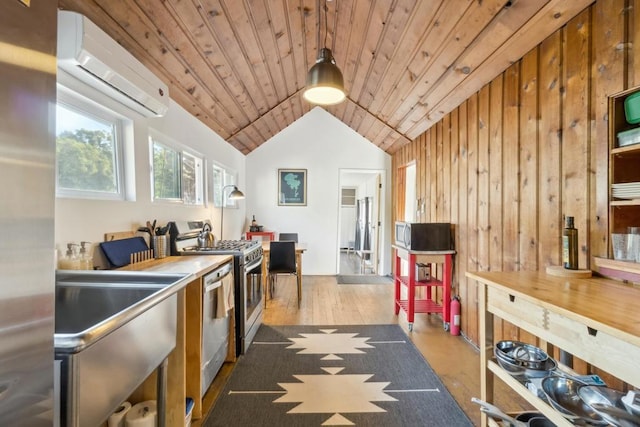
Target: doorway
{"x":359,"y":221}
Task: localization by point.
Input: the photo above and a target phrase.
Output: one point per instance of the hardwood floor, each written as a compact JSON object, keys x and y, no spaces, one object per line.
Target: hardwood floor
{"x":324,"y":302}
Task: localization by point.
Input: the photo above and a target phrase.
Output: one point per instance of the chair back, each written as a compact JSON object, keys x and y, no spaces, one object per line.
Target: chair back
{"x":282,"y":257}
{"x":288,"y":236}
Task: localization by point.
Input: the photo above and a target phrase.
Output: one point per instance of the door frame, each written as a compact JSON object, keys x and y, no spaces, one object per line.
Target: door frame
{"x":346,"y":178}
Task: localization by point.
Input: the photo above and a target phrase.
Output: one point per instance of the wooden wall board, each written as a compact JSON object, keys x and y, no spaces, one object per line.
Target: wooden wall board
{"x":549,"y":151}
{"x":472,"y":206}
{"x":632,"y":27}
{"x":576,"y":127}
{"x":467,"y":322}
{"x":484,"y":221}
{"x":455,"y":196}
{"x":495,"y":174}
{"x":528,"y":160}
{"x":510,"y":170}
{"x":608,"y":77}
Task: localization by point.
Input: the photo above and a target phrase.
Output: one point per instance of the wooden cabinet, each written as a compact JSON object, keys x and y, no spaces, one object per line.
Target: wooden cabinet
{"x":184,"y":362}
{"x":589,"y":318}
{"x":624,"y":167}
{"x":624,"y":205}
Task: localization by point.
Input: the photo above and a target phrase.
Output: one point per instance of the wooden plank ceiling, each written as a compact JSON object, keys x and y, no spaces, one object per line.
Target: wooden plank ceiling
{"x":240,"y":65}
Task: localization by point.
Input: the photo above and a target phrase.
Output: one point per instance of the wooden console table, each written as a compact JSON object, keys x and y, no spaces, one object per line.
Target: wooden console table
{"x":593,"y":319}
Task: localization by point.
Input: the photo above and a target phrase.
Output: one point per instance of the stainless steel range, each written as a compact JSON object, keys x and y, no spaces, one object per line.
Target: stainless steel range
{"x":247,"y":260}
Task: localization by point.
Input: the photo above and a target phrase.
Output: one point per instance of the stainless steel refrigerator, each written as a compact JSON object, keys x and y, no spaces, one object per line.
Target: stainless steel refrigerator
{"x":27,"y":179}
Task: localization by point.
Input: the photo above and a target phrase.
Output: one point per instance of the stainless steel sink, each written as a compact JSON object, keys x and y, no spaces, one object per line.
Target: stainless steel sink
{"x":112,"y":329}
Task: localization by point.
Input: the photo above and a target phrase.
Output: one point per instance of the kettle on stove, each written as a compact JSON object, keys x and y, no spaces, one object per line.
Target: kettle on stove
{"x":206,"y":239}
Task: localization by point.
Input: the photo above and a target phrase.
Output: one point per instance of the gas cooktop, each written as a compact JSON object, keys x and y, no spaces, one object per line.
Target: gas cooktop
{"x":226,"y":247}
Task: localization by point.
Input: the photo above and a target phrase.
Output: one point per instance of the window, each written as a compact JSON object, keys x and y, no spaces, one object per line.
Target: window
{"x":89,"y":161}
{"x":221,"y":178}
{"x":177,"y":175}
{"x":348,"y":197}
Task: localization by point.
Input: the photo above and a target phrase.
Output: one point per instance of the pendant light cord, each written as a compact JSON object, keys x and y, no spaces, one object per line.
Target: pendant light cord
{"x":326,"y":29}
{"x":335,"y":27}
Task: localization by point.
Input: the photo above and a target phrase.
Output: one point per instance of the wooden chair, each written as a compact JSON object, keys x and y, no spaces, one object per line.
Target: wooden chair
{"x":288,"y":236}
{"x":282,"y":260}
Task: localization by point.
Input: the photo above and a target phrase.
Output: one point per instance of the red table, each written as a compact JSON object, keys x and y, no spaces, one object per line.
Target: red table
{"x":411,"y":305}
{"x":264,"y":235}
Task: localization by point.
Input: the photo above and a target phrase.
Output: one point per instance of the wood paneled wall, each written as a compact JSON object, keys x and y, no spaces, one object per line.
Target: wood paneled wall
{"x":511,"y":161}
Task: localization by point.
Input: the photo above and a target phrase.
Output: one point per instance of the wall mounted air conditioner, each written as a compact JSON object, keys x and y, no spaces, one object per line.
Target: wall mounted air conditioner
{"x":89,"y":54}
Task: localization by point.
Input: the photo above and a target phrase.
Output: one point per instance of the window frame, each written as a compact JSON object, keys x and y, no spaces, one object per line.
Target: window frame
{"x":229,"y":177}
{"x":90,"y":109}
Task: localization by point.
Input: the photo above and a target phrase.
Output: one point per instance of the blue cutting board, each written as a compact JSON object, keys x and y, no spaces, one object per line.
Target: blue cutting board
{"x":118,"y":252}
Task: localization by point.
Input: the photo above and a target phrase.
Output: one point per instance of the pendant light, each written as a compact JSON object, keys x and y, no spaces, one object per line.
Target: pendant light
{"x":325,"y":85}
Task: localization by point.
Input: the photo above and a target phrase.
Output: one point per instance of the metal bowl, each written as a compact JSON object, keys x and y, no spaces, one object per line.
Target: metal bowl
{"x":613,"y":409}
{"x":524,"y":372}
{"x":562,"y":394}
{"x":520,"y":353}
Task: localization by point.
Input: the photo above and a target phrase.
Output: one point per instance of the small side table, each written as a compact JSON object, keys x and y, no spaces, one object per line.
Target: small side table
{"x":411,"y":305}
{"x":261,"y":235}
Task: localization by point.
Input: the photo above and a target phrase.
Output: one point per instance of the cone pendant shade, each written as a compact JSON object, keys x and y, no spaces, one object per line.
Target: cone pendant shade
{"x":325,"y":85}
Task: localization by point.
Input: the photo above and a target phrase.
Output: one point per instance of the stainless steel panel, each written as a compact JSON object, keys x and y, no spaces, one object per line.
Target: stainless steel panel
{"x":100,"y":377}
{"x":27,"y":155}
{"x":113,"y":328}
{"x":215,"y":326}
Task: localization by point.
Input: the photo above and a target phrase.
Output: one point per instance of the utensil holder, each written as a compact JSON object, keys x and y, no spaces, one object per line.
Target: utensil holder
{"x":160,"y":246}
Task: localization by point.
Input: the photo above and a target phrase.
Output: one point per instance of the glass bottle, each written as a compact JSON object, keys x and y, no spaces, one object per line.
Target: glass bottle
{"x":570,"y":245}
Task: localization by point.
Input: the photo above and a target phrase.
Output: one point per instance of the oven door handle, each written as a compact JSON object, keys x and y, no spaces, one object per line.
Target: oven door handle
{"x":251,"y":266}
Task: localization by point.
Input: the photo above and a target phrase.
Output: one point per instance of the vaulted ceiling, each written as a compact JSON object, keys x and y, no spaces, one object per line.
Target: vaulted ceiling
{"x":240,"y":65}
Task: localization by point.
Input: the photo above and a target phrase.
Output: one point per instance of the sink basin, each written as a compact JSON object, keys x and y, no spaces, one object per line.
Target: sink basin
{"x":112,"y":329}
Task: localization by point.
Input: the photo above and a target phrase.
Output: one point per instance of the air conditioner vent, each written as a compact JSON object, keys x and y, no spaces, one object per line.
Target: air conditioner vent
{"x":89,"y":54}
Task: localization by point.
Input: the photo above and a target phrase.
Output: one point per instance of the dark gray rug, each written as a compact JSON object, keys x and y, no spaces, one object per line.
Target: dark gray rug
{"x":364,"y":280}
{"x":369,"y":375}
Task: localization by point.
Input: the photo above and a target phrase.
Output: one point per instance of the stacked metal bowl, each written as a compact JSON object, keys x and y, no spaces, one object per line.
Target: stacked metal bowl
{"x":523,"y":360}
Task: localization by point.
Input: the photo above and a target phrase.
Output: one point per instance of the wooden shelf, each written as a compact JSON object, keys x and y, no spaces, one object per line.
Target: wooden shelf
{"x":625,"y":202}
{"x":621,"y":270}
{"x":588,"y":318}
{"x":526,"y":394}
{"x":623,"y":168}
{"x":410,"y":305}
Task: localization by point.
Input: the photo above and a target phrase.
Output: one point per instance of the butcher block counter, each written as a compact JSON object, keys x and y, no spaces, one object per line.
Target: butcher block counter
{"x":183,"y":370}
{"x":595,"y":319}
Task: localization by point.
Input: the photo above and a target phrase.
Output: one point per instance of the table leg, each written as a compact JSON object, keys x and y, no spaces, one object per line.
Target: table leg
{"x":411,"y":299}
{"x":299,"y":276}
{"x":265,"y":285}
{"x":446,"y":290}
{"x":396,"y":301}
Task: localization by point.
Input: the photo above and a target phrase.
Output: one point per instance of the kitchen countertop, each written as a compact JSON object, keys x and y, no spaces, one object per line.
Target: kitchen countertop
{"x":199,"y":265}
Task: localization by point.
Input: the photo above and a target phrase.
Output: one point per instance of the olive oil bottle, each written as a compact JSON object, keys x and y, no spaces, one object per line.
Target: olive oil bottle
{"x":570,"y":245}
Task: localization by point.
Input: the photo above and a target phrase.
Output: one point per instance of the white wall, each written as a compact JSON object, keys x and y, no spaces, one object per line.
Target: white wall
{"x":87,"y":220}
{"x":323,"y":145}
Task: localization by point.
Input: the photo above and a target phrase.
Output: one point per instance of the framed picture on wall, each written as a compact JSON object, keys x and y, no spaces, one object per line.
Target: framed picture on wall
{"x":292,"y":187}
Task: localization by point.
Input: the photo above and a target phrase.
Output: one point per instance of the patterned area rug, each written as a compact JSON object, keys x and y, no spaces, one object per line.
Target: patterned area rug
{"x":369,"y":375}
{"x":364,"y":280}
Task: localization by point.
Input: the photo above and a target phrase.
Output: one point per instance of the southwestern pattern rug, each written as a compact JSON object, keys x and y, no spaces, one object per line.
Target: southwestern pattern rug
{"x":367,"y":375}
